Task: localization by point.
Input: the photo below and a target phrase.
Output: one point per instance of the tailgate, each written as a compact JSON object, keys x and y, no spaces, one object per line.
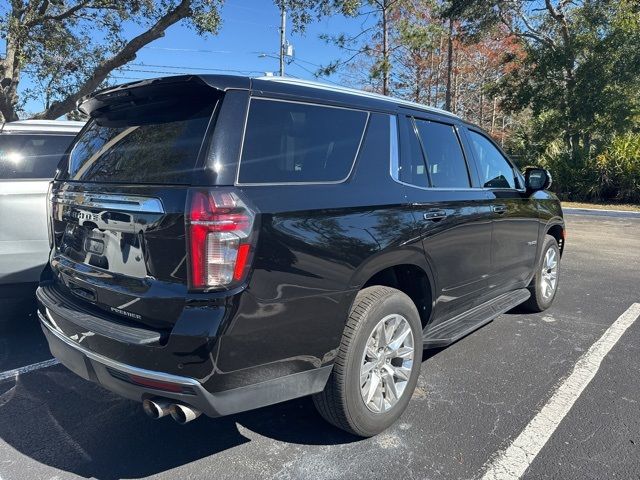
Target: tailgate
{"x":118,"y":202}
{"x":123,"y":252}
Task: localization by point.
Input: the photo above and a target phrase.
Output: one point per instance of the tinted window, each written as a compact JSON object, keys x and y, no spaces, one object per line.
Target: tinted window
{"x":146,"y":144}
{"x":412,"y":167}
{"x":31,"y":156}
{"x":495,"y":170}
{"x":445,"y":159}
{"x":289,"y":142}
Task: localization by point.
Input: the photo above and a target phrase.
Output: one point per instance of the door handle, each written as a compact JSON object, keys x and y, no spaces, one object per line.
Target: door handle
{"x":435,"y":215}
{"x":499,"y":209}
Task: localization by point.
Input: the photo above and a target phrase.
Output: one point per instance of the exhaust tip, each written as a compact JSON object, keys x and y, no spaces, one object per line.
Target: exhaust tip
{"x":183,"y":413}
{"x":156,"y":407}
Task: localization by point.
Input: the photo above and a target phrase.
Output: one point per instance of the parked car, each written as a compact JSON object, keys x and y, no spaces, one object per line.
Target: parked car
{"x":29,"y":154}
{"x":277,"y":238}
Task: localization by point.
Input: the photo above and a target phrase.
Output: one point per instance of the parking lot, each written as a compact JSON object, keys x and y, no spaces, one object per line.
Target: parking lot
{"x":474,"y":400}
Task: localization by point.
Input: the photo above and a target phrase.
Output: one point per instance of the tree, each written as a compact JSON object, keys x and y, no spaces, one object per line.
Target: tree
{"x":373,"y":43}
{"x":68,"y":48}
{"x":418,"y":60}
{"x":479,"y":65}
{"x":581,"y":71}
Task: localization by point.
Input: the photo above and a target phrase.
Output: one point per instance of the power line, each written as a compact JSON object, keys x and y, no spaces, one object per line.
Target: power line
{"x":178,"y":67}
{"x":314,"y":73}
{"x":182,"y":72}
{"x":196,"y":50}
{"x":122,"y":77}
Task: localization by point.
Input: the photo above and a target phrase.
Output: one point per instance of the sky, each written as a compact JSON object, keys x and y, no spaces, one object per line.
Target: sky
{"x":249,"y":28}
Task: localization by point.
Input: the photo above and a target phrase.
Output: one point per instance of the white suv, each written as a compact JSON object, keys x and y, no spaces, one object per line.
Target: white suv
{"x":29,"y":154}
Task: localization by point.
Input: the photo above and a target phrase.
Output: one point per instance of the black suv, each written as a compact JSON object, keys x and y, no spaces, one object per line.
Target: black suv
{"x":223,"y":243}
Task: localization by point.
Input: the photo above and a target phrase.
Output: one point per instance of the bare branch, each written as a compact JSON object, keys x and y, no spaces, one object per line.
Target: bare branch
{"x":59,"y":17}
{"x":530,"y":33}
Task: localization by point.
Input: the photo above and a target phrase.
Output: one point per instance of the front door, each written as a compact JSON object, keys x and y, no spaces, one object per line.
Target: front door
{"x":515,"y":217}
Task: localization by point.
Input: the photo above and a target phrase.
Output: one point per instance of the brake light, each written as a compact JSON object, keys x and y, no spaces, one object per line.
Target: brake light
{"x":219,"y":227}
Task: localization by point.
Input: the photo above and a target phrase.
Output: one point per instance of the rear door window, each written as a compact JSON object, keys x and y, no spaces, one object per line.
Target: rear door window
{"x":289,"y":142}
{"x":148,"y":143}
{"x":24,"y":156}
{"x":413,"y":169}
{"x":445,"y":160}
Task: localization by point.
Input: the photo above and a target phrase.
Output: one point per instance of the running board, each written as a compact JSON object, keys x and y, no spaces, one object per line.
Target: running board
{"x":452,"y":330}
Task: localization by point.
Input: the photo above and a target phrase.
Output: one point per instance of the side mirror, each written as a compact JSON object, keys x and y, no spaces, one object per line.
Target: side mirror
{"x":536,"y":179}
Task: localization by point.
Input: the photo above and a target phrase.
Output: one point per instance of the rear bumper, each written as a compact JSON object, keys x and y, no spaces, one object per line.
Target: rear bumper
{"x":132,"y":382}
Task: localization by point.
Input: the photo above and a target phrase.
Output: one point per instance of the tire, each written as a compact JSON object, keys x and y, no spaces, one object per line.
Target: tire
{"x":541,"y":296}
{"x":342,"y":402}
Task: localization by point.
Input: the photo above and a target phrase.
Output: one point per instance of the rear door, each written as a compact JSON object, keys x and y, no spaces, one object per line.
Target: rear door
{"x":514,"y":216}
{"x":28,"y":162}
{"x":456,"y":226}
{"x":118,"y":206}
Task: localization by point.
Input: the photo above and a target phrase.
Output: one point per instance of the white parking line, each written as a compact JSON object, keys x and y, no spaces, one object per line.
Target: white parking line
{"x":29,"y":368}
{"x":512,"y":462}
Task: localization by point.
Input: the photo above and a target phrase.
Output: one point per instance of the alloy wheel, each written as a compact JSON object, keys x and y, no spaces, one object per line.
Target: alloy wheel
{"x":387,"y":363}
{"x":549,"y":277}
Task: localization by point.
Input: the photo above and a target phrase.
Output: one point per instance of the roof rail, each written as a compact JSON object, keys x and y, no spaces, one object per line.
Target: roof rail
{"x":353,"y":91}
{"x":42,"y":126}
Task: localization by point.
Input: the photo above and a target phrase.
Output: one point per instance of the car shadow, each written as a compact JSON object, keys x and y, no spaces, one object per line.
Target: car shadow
{"x":64,"y":422}
{"x":21,"y":339}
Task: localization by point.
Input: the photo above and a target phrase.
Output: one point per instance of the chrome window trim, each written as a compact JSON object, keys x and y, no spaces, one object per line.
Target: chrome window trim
{"x":125,"y":203}
{"x":315,"y":104}
{"x":394,"y":146}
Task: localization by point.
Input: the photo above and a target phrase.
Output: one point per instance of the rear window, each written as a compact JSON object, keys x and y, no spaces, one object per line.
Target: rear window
{"x":24,"y":156}
{"x":149,"y":143}
{"x":288,"y":142}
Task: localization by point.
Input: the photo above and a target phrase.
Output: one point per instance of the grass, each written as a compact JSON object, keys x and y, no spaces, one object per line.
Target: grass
{"x":603,"y":206}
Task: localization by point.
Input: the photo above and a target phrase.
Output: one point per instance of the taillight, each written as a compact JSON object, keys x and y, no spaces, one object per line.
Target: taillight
{"x":220,"y":231}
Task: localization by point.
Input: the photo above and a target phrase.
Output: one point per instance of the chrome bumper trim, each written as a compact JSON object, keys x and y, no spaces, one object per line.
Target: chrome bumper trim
{"x":166,"y":377}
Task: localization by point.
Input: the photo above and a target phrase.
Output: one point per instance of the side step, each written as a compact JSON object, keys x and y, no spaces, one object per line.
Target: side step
{"x":446,"y":333}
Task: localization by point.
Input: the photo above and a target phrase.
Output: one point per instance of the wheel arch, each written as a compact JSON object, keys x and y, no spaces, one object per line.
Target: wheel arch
{"x":405,"y":269}
{"x":556,"y":228}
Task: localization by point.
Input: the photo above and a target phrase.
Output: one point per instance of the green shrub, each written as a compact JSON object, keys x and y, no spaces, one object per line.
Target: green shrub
{"x":571,"y":175}
{"x":618,"y":170}
{"x":613,"y":175}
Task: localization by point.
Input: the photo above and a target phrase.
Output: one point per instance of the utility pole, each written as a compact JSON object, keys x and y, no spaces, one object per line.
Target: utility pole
{"x":283,"y":41}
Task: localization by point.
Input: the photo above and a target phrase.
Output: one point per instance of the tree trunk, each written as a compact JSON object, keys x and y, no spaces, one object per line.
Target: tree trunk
{"x":430,"y":81}
{"x":481,"y":119}
{"x":456,"y":84}
{"x":437,"y":91}
{"x":493,"y":114}
{"x":447,"y":98}
{"x":385,"y":48}
{"x":10,"y":67}
{"x":418,"y":86}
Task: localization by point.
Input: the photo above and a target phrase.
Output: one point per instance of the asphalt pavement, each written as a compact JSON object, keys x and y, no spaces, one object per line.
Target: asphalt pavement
{"x":474,"y":400}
